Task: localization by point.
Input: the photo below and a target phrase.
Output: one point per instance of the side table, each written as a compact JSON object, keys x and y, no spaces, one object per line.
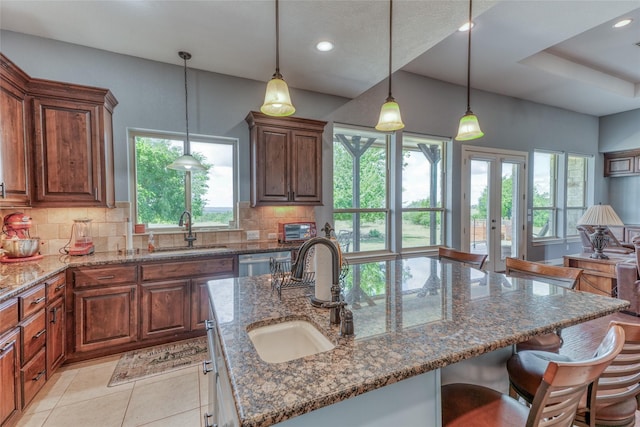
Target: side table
{"x":599,"y":275}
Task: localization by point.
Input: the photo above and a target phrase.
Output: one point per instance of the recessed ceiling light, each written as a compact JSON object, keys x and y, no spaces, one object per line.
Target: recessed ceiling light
{"x":324,"y":46}
{"x":465,"y":26}
{"x":622,"y":23}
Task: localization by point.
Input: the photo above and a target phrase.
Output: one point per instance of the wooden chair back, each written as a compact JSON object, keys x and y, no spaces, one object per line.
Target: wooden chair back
{"x":565,"y":383}
{"x":620,"y":381}
{"x":473,"y":260}
{"x":562,"y":275}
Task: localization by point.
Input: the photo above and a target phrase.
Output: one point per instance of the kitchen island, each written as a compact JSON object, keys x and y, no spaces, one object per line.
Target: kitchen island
{"x":412,"y":318}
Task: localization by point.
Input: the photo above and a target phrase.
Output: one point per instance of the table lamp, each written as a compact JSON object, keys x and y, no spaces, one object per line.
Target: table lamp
{"x":600,"y":217}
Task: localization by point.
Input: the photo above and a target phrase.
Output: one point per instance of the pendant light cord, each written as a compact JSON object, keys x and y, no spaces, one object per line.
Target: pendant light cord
{"x":469,"y":62}
{"x":185,"y":56}
{"x":390,"y":45}
{"x":277,"y":74}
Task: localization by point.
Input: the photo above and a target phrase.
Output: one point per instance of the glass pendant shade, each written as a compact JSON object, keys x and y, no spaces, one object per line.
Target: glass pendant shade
{"x":277,"y":101}
{"x":469,"y":128}
{"x":390,"y":119}
{"x":186,"y":162}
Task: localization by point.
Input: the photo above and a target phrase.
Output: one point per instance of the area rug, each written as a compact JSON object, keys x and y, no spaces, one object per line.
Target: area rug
{"x":146,"y":362}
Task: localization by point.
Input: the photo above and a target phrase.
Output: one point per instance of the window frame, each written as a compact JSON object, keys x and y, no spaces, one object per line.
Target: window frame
{"x":554,"y":189}
{"x":586,"y":191}
{"x":132,"y":133}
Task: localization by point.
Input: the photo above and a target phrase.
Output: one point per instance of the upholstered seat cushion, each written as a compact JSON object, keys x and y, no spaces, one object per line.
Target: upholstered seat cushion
{"x":545,"y":342}
{"x":619,"y":414}
{"x":468,"y":405}
{"x":527,"y":368}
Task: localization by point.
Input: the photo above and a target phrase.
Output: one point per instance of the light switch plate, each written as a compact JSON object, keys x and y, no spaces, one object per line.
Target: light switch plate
{"x":253,"y":234}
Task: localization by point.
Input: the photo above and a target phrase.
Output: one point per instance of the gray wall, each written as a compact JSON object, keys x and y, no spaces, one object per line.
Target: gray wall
{"x":151,"y":96}
{"x":622,"y":132}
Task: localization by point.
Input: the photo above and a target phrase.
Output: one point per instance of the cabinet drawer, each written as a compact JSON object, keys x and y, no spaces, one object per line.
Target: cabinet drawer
{"x":104,"y":276}
{"x":55,"y":287}
{"x":33,"y":377}
{"x":32,"y":301}
{"x":34,"y":335}
{"x":594,"y":268}
{"x":8,"y":314}
{"x":210,"y":267}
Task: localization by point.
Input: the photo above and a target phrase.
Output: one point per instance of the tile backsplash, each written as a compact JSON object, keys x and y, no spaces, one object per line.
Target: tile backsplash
{"x":108,"y":228}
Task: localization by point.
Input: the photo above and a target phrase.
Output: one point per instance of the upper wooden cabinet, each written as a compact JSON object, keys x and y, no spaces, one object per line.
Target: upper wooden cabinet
{"x":622,"y":163}
{"x":68,"y":137}
{"x":14,"y":147}
{"x":286,"y":160}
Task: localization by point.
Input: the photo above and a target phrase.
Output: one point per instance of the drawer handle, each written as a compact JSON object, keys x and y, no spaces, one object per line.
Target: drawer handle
{"x":205,"y":367}
{"x":8,"y":346}
{"x":60,"y":287}
{"x":54,"y":311}
{"x":206,"y":420}
{"x":39,"y":334}
{"x":40,"y":374}
{"x":38,"y":301}
{"x":106,"y":277}
{"x":209,"y":324}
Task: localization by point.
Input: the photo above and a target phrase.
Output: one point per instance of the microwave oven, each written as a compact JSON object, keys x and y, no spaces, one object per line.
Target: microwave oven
{"x":296,"y":231}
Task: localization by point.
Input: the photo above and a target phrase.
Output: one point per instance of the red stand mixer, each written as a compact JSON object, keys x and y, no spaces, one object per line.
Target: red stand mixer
{"x":17,"y":244}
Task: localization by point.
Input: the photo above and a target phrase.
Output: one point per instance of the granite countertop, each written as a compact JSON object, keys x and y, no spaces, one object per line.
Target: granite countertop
{"x":424,"y":316}
{"x":17,"y":277}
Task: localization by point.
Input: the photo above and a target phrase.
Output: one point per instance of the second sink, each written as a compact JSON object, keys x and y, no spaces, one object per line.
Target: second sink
{"x":289,"y":340}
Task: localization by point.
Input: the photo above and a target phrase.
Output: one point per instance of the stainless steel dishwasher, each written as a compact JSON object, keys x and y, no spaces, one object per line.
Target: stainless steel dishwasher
{"x":257,"y":264}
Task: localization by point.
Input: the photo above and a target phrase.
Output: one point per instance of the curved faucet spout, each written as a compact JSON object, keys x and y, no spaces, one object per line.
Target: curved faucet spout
{"x":297,"y":270}
{"x":189,"y":238}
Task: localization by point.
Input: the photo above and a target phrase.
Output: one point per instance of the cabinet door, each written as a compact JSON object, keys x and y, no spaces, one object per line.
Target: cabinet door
{"x":166,"y":308}
{"x":14,"y":166}
{"x":55,"y":335}
{"x":270,"y":166}
{"x":199,"y":304}
{"x":9,"y":375}
{"x":68,"y":157}
{"x":306,"y":167}
{"x":105,"y":317}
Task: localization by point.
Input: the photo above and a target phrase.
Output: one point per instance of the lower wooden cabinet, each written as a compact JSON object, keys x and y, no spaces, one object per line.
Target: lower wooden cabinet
{"x":33,"y":375}
{"x":165,"y":308}
{"x":105,"y":317}
{"x":56,"y":333}
{"x":10,"y":405}
{"x":199,"y":304}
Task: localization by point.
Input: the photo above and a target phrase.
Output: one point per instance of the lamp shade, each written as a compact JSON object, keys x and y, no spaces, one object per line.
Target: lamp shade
{"x":390,"y":119}
{"x":277,"y":101}
{"x":600,"y":215}
{"x":469,"y":128}
{"x":185,"y":163}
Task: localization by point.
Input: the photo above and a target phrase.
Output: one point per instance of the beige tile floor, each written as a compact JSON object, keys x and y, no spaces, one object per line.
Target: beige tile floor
{"x":77,"y":395}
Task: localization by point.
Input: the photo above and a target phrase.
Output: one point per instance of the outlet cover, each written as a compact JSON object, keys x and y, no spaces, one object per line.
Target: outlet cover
{"x":272,"y":236}
{"x":253,"y":234}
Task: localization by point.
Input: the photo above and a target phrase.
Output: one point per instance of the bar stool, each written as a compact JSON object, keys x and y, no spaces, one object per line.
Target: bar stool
{"x":556,"y":399}
{"x":563,"y":276}
{"x":618,"y":386}
{"x":473,"y":260}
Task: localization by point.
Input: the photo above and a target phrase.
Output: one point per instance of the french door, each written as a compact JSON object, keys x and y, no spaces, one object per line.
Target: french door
{"x":494,"y":189}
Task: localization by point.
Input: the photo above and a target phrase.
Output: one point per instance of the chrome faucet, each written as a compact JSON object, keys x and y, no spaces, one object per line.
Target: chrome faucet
{"x":189,"y":238}
{"x":338,"y":313}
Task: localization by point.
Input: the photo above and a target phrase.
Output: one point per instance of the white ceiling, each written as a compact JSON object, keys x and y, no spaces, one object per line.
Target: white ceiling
{"x":560,"y":53}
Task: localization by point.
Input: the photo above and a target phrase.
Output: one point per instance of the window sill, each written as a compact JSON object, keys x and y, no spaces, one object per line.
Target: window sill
{"x":546,"y":242}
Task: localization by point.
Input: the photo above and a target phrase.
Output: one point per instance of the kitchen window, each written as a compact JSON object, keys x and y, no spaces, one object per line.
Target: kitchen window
{"x":422,"y":191}
{"x":545,"y":190}
{"x":561,"y":188}
{"x":161,"y":194}
{"x":363,"y":174}
{"x":360,"y":189}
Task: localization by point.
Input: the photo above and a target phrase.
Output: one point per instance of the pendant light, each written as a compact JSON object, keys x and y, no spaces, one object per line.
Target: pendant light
{"x":186,"y":162}
{"x":390,"y":119}
{"x":469,"y":127}
{"x":277,"y":101}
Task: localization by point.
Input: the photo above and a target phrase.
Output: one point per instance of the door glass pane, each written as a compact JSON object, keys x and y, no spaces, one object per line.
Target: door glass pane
{"x":510,"y":199}
{"x":479,"y":203}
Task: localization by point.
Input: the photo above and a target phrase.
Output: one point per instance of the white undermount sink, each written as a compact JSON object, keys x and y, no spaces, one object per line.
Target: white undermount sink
{"x":289,"y":340}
